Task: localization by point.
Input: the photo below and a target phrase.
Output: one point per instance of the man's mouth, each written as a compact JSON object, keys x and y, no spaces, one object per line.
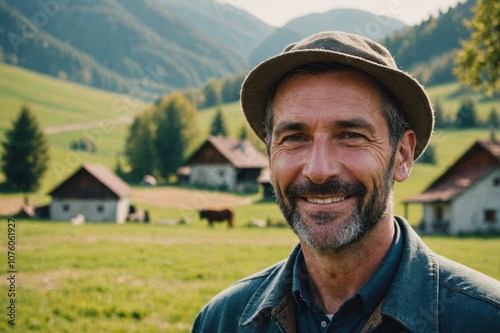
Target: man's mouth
{"x":325,"y":200}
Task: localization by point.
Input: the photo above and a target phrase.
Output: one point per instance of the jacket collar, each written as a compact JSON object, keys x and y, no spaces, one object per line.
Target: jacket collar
{"x":412,"y":299}
{"x":272,"y":291}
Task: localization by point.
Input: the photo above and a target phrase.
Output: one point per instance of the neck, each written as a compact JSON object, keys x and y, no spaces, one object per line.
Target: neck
{"x":336,"y":276}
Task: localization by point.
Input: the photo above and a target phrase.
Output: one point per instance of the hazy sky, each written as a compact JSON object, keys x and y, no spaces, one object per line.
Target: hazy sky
{"x":278,"y":12}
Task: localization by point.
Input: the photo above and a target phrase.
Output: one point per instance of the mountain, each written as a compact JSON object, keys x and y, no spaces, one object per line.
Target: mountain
{"x":427,"y":49}
{"x":23,"y":44}
{"x":234,"y":28}
{"x":112,"y":44}
{"x":432,"y":38}
{"x":363,"y":23}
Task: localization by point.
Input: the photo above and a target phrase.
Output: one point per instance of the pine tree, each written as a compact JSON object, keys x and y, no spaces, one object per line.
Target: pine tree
{"x":176,"y":128}
{"x":218,"y":126}
{"x":243,"y":133}
{"x":466,"y":116}
{"x":25,"y":153}
{"x":429,"y":155}
{"x":493,"y":119}
{"x":439,"y":121}
{"x":139,"y":146}
{"x":212,"y":92}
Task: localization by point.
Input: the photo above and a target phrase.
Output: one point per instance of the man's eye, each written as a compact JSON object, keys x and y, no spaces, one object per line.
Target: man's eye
{"x":294,"y":137}
{"x":351,"y":135}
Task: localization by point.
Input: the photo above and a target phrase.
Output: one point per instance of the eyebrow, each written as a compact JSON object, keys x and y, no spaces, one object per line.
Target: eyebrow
{"x":288,"y":126}
{"x":353,"y":123}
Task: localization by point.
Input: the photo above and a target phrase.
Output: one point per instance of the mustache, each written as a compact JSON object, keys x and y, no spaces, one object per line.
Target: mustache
{"x":332,"y":186}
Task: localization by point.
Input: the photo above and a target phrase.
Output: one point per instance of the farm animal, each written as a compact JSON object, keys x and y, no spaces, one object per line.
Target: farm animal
{"x":217,"y":215}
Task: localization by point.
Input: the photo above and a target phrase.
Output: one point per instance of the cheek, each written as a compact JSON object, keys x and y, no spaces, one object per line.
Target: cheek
{"x":284,"y":169}
{"x":368,"y":169}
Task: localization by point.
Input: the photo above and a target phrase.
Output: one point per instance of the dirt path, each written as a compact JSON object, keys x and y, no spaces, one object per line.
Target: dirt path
{"x":169,"y":197}
{"x":10,"y":206}
{"x":186,"y":199}
{"x":88,"y":125}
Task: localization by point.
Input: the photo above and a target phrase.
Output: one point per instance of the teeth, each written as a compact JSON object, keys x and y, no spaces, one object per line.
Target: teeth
{"x":325,"y":200}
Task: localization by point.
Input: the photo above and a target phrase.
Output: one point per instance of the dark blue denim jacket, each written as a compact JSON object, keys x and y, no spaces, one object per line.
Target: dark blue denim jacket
{"x":429,"y":294}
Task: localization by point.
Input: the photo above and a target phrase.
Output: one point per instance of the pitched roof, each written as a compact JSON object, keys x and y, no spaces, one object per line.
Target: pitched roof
{"x":457,"y":178}
{"x":105,"y":176}
{"x":240,"y":153}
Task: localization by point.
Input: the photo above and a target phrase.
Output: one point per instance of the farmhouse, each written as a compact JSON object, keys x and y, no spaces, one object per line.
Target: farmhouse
{"x":466,"y":198}
{"x":265,"y":181}
{"x":226,"y":163}
{"x":93,"y":191}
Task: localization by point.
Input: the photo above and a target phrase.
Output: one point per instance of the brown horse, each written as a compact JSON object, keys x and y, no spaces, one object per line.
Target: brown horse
{"x":217,"y":215}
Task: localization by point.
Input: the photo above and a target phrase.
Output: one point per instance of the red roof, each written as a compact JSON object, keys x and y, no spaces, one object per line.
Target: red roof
{"x":105,"y":176}
{"x":240,"y":153}
{"x":479,"y":160}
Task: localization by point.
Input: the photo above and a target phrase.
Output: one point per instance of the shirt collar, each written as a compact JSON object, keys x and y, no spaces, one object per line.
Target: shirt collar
{"x":371,"y":294}
{"x":374,"y":291}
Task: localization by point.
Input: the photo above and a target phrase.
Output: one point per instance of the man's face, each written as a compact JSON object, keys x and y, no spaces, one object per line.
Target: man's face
{"x":331,"y":161}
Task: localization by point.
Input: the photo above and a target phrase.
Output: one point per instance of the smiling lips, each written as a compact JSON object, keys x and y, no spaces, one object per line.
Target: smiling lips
{"x":325,"y":201}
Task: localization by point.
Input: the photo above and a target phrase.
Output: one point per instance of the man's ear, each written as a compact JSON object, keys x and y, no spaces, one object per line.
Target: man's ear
{"x":405,"y":152}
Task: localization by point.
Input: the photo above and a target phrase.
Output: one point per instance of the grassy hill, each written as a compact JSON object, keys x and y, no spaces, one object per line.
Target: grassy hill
{"x":58,"y":102}
{"x":112,"y":44}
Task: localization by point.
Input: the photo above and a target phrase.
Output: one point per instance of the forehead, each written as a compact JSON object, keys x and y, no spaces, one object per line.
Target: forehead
{"x":344,"y":90}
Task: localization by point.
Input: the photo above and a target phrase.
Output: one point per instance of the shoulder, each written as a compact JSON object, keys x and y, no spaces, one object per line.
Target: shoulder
{"x":226,"y":308}
{"x":243,"y":289}
{"x":462,"y":279}
{"x":466,"y":291}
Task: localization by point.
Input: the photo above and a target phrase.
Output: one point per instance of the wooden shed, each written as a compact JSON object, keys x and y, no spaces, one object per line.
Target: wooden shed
{"x":226,"y":163}
{"x":93,"y":191}
{"x":466,"y":197}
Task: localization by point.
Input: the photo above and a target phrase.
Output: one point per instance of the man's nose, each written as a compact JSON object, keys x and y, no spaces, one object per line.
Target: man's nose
{"x":322,"y":161}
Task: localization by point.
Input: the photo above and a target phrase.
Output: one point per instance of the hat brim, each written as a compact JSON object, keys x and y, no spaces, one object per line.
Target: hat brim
{"x":263,"y":78}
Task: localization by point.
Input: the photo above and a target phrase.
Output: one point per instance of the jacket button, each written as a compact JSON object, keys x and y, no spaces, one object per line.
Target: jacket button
{"x":283,"y":315}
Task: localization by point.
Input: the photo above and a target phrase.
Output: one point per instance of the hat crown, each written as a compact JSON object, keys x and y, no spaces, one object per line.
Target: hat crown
{"x":345,"y":43}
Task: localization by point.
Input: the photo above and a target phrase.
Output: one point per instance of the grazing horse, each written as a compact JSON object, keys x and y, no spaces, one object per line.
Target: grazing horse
{"x":217,"y":215}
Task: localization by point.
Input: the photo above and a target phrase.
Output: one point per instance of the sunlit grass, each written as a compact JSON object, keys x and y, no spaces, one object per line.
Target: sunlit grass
{"x":152,"y":278}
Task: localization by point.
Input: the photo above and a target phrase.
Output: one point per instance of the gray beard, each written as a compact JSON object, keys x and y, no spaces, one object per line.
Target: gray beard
{"x":366,"y":216}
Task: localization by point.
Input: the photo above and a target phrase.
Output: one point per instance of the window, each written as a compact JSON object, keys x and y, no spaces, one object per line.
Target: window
{"x":496,"y":182}
{"x":65,"y":208}
{"x":100,"y":208}
{"x":439,"y":213}
{"x":490,"y":216}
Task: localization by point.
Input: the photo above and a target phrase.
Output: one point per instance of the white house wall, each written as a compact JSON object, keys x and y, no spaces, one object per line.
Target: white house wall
{"x":122,"y":208}
{"x":469,"y":207}
{"x":430,"y":215}
{"x":93,"y":210}
{"x":213,"y":175}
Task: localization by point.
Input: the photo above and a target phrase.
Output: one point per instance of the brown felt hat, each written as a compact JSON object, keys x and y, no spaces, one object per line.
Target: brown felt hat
{"x":343,"y":48}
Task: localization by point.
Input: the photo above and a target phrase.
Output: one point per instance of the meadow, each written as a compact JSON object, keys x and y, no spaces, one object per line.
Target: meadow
{"x":152,"y":278}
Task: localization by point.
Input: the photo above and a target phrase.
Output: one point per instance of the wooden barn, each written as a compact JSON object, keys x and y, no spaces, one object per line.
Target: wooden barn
{"x":265,"y":181}
{"x":93,"y":191}
{"x":466,"y":198}
{"x":226,"y":163}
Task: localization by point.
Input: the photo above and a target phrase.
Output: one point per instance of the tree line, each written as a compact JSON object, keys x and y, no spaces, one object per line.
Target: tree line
{"x":216,"y":92}
{"x":159,"y":138}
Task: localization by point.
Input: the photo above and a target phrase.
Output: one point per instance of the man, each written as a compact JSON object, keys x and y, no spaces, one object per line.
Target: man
{"x":341,"y":123}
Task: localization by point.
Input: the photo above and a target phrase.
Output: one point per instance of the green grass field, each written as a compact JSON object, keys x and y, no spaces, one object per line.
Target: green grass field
{"x":58,"y":102}
{"x":152,"y":278}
